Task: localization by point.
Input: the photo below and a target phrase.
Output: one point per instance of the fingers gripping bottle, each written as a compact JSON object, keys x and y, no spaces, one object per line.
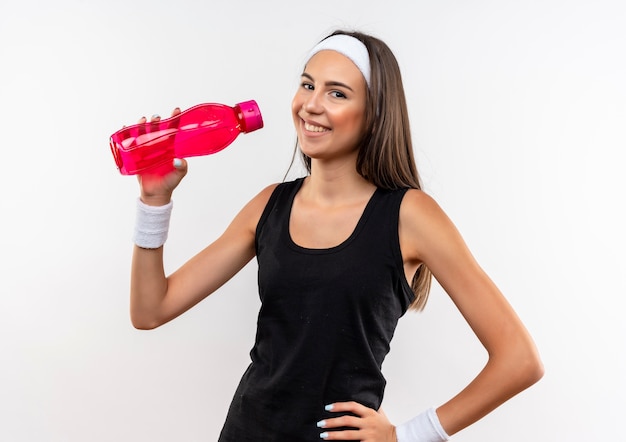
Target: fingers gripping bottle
{"x":150,"y":148}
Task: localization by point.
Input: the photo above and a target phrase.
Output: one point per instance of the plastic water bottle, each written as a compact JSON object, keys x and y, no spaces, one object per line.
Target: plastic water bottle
{"x":150,"y":148}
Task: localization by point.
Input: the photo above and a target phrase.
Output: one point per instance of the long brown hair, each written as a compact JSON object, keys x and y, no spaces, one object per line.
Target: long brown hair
{"x":385,"y":155}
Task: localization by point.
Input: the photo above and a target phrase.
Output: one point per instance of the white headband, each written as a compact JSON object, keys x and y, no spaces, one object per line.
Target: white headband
{"x":351,"y":47}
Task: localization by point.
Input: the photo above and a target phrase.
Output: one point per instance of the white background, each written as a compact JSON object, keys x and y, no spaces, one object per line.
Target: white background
{"x":518,"y":115}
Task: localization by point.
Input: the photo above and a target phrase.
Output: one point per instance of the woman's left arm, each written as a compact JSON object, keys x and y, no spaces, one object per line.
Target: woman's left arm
{"x":428,"y":236}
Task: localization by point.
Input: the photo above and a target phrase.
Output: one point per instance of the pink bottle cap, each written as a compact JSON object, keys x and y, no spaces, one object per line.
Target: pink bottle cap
{"x":249,"y":116}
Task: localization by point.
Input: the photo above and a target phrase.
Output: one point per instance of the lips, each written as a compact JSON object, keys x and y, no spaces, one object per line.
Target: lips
{"x":315,"y":128}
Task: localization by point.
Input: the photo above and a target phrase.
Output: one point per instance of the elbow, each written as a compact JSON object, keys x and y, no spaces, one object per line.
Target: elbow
{"x":143,"y":322}
{"x":530,"y":369}
{"x":519,"y":367}
{"x":143,"y":325}
{"x":533,"y":366}
{"x":534,"y":370}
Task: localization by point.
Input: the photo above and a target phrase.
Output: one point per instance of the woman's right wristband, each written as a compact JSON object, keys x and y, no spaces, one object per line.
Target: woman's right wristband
{"x":152,"y":225}
{"x":424,"y":427}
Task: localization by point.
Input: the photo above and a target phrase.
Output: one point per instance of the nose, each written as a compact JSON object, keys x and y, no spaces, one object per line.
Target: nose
{"x":312,"y":103}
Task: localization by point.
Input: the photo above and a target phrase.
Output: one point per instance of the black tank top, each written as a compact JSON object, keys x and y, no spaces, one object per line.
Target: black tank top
{"x":325,"y":324}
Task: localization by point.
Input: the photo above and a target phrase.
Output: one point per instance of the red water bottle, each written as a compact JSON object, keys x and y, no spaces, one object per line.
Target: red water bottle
{"x":150,"y":148}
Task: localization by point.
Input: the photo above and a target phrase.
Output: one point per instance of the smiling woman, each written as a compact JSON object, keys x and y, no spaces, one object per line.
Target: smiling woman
{"x":329,"y":108}
{"x":343,"y":253}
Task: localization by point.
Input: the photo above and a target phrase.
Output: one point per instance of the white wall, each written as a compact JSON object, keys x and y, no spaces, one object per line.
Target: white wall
{"x":518,"y":113}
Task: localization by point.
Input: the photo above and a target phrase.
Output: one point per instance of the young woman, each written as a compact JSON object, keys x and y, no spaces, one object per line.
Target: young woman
{"x":342,"y":254}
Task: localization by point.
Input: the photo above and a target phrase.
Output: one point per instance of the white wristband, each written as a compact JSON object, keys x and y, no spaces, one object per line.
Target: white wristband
{"x":425,"y":427}
{"x":152,"y":225}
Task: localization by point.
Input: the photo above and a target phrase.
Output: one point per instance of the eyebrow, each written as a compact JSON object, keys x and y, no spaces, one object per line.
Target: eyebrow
{"x":329,"y":83}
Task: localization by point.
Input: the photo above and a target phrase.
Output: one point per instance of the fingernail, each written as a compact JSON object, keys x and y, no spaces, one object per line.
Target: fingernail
{"x":155,"y":116}
{"x":323,"y":435}
{"x":321,"y":424}
{"x":178,"y":162}
{"x":328,"y":407}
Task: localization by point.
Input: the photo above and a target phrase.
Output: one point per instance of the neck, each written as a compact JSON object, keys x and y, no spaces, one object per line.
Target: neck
{"x":336,"y":183}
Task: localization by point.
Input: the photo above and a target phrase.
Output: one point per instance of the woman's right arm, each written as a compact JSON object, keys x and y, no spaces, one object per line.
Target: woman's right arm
{"x":156,"y":298}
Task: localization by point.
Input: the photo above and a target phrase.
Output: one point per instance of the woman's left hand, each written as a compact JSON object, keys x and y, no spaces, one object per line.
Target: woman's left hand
{"x":370,"y":425}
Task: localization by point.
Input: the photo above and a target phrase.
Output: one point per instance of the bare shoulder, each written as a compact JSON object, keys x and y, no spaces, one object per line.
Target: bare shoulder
{"x":260,"y":199}
{"x":424,"y":225}
{"x":420,"y":210}
{"x":250,"y":214}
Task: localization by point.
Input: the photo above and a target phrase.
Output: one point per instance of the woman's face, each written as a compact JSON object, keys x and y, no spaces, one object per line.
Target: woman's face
{"x":329,"y":107}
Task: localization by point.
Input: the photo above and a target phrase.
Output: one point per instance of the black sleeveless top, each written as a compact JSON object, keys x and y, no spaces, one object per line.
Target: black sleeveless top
{"x":325,"y":324}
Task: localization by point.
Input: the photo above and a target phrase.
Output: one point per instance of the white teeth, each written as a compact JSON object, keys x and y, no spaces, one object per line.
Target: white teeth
{"x":312,"y":128}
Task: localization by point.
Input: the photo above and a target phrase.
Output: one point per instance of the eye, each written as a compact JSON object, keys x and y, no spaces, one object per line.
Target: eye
{"x":308,"y":86}
{"x":338,"y":94}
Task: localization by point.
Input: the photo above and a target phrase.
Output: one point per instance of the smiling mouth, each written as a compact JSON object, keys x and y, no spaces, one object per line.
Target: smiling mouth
{"x":313,"y":128}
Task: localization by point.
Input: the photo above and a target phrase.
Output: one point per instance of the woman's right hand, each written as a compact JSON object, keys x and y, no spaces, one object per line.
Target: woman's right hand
{"x":157,"y":190}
